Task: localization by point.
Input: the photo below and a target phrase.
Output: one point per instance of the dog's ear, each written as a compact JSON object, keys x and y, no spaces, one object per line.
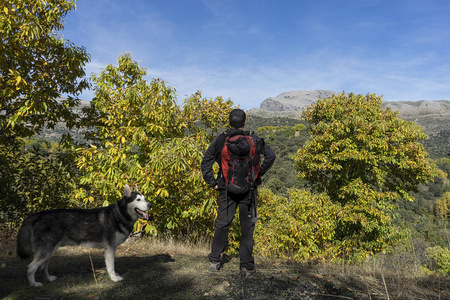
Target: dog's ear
{"x":127,"y":192}
{"x":136,"y":189}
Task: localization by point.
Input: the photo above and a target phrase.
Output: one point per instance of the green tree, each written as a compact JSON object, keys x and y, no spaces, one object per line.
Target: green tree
{"x":442,"y":207}
{"x":364,"y":158}
{"x":141,"y":136}
{"x":37,"y":66}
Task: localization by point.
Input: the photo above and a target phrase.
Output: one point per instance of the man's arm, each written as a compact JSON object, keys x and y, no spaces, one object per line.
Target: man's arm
{"x":207,"y":163}
{"x":269,"y":158}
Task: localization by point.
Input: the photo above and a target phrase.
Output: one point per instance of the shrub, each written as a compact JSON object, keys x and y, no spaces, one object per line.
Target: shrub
{"x":440,"y":260}
{"x":301,"y":226}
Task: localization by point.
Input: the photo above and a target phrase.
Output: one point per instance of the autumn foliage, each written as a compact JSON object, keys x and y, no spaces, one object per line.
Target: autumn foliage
{"x":141,"y":136}
{"x":363,"y":158}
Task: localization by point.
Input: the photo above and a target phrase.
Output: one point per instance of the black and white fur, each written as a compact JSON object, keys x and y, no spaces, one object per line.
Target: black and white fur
{"x":106,"y":227}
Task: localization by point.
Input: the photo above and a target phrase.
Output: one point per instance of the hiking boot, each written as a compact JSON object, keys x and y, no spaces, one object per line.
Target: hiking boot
{"x":245,"y":272}
{"x":214,"y":266}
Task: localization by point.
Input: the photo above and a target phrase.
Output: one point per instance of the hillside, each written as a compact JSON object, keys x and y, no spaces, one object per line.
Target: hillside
{"x":432,"y":115}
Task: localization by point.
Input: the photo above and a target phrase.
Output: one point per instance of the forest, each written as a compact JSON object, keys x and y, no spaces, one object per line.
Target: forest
{"x":351,"y":180}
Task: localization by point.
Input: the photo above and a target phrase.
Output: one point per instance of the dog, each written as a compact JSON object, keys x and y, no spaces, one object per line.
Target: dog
{"x":105,"y":227}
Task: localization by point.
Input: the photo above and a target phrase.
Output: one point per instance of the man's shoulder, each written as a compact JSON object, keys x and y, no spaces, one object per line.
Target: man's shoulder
{"x":219,"y":140}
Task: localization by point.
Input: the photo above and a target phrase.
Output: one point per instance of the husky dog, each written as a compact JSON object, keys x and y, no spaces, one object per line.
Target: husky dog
{"x":105,"y":227}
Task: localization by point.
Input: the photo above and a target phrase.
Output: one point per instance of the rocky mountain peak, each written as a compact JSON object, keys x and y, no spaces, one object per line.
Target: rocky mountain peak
{"x":432,"y":115}
{"x":295,"y":100}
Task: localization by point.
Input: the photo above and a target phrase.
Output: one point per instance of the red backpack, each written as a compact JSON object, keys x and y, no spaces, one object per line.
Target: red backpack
{"x":240,"y":159}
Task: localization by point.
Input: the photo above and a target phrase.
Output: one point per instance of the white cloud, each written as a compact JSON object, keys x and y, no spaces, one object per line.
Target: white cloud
{"x":397,"y":55}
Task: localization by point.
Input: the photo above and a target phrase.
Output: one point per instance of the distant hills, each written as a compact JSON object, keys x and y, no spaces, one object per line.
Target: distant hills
{"x":432,"y":115}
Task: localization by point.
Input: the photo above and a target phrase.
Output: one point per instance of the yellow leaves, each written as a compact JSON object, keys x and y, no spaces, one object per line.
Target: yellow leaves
{"x":162,"y":193}
{"x":442,"y":206}
{"x":16,"y":79}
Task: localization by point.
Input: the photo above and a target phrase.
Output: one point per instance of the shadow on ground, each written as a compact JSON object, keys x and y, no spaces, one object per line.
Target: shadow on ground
{"x":171,"y":274}
{"x":146,"y":276}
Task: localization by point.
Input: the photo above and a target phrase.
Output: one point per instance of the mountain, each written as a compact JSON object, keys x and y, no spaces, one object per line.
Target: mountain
{"x":60,"y":128}
{"x":295,"y":100}
{"x":289,"y":104}
{"x":432,"y":116}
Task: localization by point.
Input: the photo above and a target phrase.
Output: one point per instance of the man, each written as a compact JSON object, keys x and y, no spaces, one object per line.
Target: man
{"x":229,"y":201}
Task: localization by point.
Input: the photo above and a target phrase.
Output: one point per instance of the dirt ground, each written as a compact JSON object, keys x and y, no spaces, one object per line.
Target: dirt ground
{"x":170,"y":271}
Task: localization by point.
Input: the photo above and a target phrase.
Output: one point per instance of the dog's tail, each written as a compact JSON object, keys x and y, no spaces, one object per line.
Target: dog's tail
{"x":24,"y":247}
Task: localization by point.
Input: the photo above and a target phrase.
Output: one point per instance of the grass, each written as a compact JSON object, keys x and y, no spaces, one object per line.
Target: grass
{"x":167,"y":269}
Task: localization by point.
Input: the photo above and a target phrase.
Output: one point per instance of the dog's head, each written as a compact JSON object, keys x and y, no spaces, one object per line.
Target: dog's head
{"x":135,"y":203}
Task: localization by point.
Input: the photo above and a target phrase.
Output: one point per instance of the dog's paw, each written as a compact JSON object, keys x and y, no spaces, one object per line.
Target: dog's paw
{"x":36,"y":284}
{"x":51,"y":278}
{"x":116,"y":278}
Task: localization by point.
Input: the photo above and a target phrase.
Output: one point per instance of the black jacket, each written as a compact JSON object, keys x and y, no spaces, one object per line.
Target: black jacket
{"x":213,"y":153}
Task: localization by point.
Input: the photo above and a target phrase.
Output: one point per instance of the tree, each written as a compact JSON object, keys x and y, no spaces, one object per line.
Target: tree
{"x":442,"y":207}
{"x":141,"y":136}
{"x":364,"y":158}
{"x":37,"y":66}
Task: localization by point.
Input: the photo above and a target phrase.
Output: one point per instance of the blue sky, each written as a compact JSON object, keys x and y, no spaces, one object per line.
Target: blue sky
{"x":250,"y":50}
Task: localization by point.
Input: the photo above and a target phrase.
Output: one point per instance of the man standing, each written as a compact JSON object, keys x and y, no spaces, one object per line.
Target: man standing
{"x":229,"y":198}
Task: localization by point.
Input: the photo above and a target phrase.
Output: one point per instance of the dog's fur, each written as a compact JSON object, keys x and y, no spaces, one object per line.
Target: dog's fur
{"x":106,"y":227}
